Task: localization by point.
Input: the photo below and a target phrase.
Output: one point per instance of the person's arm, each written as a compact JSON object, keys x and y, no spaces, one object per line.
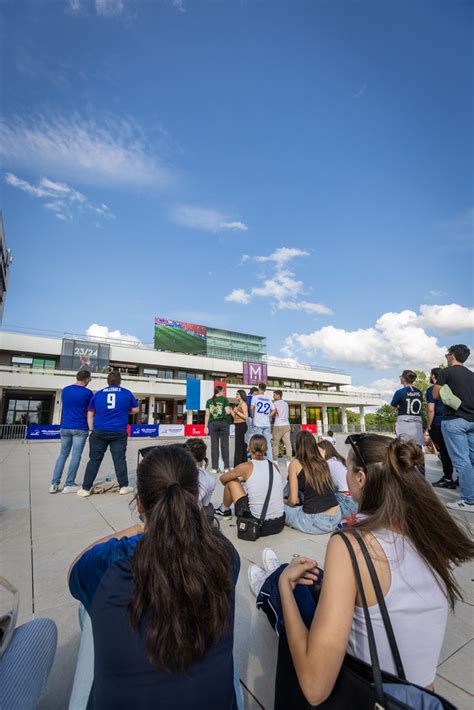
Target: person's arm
{"x":395,"y":400}
{"x":435,"y":392}
{"x":135,"y":410}
{"x":206,"y":421}
{"x":318,"y":653}
{"x":90,"y":420}
{"x":430,"y":414}
{"x":127,"y":532}
{"x":293,"y":470}
{"x":243,"y":470}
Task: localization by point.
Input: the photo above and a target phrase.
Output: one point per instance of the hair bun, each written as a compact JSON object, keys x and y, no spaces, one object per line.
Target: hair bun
{"x":404,"y":454}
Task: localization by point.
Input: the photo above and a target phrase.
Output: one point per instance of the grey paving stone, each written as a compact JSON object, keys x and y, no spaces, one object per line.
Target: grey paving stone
{"x":460,"y":698}
{"x":459,"y":668}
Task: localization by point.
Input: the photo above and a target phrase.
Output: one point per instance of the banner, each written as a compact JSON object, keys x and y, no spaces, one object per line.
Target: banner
{"x":254,"y":372}
{"x":310,"y":427}
{"x":197,"y":394}
{"x":141,"y":430}
{"x":194,"y":430}
{"x":43,"y":431}
{"x":180,"y":337}
{"x":171,"y":430}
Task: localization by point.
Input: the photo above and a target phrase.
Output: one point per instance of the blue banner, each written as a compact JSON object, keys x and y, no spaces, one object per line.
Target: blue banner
{"x":140,"y":430}
{"x":43,"y":431}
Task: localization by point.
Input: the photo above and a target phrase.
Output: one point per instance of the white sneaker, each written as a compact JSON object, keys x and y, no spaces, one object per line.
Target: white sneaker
{"x":125,"y":489}
{"x":71,"y":489}
{"x":461,"y":505}
{"x":270,"y":560}
{"x":257,"y":577}
{"x":54,"y":488}
{"x":226,"y":470}
{"x":214,"y":470}
{"x":83,"y":493}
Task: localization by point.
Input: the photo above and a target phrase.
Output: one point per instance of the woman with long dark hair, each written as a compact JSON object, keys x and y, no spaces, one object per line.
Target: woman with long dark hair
{"x":413,"y":543}
{"x":311,"y":505}
{"x":161,"y":600}
{"x":239,"y":415}
{"x":216,"y":424}
{"x":338,"y":469}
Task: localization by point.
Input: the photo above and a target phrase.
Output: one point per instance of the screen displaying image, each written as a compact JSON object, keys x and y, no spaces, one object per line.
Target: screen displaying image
{"x":180,"y":337}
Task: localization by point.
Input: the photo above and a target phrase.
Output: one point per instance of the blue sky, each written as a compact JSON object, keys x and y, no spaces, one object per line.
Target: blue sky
{"x":152,"y":150}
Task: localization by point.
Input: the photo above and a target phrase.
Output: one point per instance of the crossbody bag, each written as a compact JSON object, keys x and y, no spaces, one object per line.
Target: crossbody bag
{"x":248,"y":527}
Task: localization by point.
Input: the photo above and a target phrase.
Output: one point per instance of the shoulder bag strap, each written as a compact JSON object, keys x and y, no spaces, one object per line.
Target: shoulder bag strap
{"x":261,"y":520}
{"x":377,"y":673}
{"x":382,"y":606}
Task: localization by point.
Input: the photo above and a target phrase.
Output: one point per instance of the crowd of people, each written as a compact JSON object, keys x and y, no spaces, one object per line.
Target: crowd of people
{"x":158,"y":599}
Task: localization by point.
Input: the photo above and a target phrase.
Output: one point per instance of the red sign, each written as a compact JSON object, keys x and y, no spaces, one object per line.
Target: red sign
{"x":309,"y":427}
{"x":217,"y":383}
{"x":194,"y":430}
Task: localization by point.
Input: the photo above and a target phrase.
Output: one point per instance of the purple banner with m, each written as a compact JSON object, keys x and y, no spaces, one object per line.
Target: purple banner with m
{"x":255,"y":372}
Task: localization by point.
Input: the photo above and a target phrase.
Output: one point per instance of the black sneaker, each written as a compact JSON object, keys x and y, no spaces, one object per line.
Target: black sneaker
{"x":444,"y":483}
{"x":224,"y":512}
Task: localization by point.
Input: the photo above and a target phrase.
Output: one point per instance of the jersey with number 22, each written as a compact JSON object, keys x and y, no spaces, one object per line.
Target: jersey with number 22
{"x":112,"y":407}
{"x":263,"y":405}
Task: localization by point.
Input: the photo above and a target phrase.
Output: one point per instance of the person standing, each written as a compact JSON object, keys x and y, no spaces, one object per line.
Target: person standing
{"x":75,"y":400}
{"x":216,"y":425}
{"x":281,"y":426}
{"x":108,"y":419}
{"x":249,"y":433}
{"x":240,"y":415}
{"x":261,"y":410}
{"x":457,"y":424}
{"x":407,"y":401}
{"x":435,"y":416}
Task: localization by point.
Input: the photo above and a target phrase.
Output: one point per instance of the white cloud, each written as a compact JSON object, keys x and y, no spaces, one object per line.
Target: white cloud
{"x":109,"y":8}
{"x":238,"y":295}
{"x":179,"y":5}
{"x":450,"y":318}
{"x":102,"y":332}
{"x":109,"y":152}
{"x":384,"y":386}
{"x":281,"y":287}
{"x":63,"y":200}
{"x":396,"y":340}
{"x":275,"y":360}
{"x":204,"y":218}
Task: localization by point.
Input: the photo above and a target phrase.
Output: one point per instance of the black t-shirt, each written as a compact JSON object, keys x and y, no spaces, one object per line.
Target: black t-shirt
{"x":314,"y":502}
{"x":124,"y":678}
{"x":461,"y":382}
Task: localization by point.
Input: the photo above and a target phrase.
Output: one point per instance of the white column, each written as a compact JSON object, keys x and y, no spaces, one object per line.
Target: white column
{"x":189,"y":416}
{"x":151,"y":409}
{"x":57,"y":408}
{"x":303,"y":414}
{"x":344,"y":418}
{"x":324,"y":411}
{"x":362,"y":417}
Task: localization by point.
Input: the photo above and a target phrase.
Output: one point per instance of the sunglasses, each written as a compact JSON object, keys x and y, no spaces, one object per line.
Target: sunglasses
{"x":352,"y":439}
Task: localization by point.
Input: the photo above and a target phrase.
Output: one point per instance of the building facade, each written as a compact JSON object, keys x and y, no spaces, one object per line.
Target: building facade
{"x":34,"y":369}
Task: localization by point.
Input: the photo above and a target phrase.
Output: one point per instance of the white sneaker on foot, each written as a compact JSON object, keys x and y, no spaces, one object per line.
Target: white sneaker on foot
{"x":214,"y":470}
{"x":54,"y":488}
{"x":461,"y":505}
{"x":71,"y":489}
{"x":270,"y":560}
{"x":125,"y":489}
{"x":257,"y":577}
{"x":83,"y":493}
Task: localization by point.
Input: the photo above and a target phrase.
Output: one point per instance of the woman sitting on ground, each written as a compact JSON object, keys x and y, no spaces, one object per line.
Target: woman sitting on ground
{"x":311,"y":505}
{"x":249,"y":501}
{"x":207,"y":483}
{"x":413,"y":543}
{"x":157,"y":642}
{"x":338,"y":469}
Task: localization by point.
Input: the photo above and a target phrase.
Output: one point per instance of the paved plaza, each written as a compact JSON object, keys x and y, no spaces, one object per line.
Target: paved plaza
{"x":40,"y":534}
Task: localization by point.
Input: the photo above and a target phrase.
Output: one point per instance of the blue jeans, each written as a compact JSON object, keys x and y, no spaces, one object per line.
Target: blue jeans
{"x":346,"y":503}
{"x":459,"y":439}
{"x":75,"y":439}
{"x":311,"y":523}
{"x":84,"y":674}
{"x":265,"y":431}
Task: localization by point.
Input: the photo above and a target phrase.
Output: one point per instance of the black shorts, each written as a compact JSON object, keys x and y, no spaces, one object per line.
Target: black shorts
{"x":269,"y":527}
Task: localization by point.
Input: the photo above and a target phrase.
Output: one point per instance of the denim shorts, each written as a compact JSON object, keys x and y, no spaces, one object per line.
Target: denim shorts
{"x":312,"y":523}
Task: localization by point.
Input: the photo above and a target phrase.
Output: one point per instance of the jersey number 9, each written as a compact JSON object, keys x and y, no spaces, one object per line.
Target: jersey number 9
{"x":111,"y":400}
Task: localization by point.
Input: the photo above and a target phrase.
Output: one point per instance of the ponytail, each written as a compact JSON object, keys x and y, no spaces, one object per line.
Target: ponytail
{"x":179,"y":565}
{"x":217,"y":391}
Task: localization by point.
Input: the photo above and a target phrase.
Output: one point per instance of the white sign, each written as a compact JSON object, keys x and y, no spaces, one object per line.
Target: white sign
{"x":232,"y":430}
{"x":171,"y":430}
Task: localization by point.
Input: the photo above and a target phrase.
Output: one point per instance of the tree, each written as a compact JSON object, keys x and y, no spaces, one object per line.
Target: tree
{"x":422,"y":382}
{"x":353,"y":417}
{"x":383,"y":419}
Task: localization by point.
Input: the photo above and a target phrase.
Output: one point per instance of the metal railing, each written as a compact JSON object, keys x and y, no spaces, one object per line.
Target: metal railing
{"x":12,"y":431}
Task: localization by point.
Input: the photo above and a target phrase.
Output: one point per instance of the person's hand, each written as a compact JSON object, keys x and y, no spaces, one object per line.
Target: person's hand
{"x":301,"y":570}
{"x":206,"y":431}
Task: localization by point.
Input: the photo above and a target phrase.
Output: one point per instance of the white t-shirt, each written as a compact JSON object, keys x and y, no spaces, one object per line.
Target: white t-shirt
{"x":207,"y":484}
{"x":338,"y":474}
{"x":281,"y":418}
{"x":257,"y":489}
{"x":263,"y":406}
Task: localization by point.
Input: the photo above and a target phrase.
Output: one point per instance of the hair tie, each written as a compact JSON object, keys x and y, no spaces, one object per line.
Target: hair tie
{"x":172,"y":485}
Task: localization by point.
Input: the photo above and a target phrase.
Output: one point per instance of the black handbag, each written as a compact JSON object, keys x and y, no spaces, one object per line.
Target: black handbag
{"x":359,"y":685}
{"x":248,"y":527}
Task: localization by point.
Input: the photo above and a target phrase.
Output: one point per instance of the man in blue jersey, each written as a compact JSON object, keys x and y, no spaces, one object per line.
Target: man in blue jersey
{"x":75,"y":401}
{"x":407,"y":401}
{"x":108,"y":419}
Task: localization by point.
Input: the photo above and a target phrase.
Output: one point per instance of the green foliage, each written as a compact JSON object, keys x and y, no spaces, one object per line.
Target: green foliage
{"x":382,"y":420}
{"x":353,"y":417}
{"x":423,"y":382}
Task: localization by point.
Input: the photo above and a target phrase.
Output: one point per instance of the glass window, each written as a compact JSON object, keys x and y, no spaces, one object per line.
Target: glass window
{"x":147,"y":371}
{"x":295,"y":414}
{"x":20,"y":360}
{"x":334,"y":415}
{"x":313,"y":414}
{"x":181,"y":375}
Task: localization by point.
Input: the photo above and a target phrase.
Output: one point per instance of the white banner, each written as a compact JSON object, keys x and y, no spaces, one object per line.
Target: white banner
{"x":171,"y":430}
{"x":232,"y":430}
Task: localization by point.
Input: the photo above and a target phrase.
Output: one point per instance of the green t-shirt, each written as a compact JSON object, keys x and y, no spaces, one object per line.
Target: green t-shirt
{"x":217,"y":410}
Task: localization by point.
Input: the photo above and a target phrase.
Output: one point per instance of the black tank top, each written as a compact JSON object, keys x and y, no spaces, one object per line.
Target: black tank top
{"x":314,"y":502}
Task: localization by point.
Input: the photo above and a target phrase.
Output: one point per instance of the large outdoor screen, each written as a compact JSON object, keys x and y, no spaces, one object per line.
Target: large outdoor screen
{"x":180,"y":337}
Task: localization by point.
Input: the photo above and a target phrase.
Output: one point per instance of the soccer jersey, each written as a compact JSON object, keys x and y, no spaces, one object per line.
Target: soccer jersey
{"x":75,"y":401}
{"x":263,"y":405}
{"x":408,"y":401}
{"x":112,"y":407}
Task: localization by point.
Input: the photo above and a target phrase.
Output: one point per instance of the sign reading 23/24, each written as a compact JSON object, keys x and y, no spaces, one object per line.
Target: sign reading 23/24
{"x":85,"y":352}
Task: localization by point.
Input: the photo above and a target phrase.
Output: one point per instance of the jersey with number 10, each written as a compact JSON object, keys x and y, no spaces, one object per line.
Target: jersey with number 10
{"x":112,"y":407}
{"x":263,"y":405}
{"x":408,"y":401}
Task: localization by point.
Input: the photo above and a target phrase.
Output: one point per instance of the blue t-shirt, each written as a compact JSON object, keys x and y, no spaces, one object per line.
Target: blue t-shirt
{"x":439,"y":406}
{"x":112,"y":407}
{"x":75,"y":400}
{"x":102,"y":579}
{"x":408,"y":401}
